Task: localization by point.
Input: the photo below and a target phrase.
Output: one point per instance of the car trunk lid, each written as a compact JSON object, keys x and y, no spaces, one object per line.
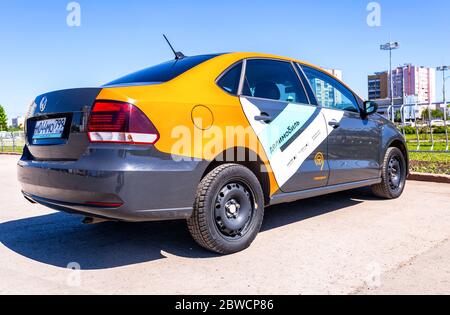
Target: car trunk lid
{"x":57,"y":124}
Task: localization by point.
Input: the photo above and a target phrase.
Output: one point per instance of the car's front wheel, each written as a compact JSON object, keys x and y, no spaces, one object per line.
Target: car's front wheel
{"x":228,"y":210}
{"x":393,"y":175}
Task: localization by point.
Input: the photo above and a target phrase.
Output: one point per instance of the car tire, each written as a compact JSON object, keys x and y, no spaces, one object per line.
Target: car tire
{"x":228,"y":210}
{"x":394,"y":175}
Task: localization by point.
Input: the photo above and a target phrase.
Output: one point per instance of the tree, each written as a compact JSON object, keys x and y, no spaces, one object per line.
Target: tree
{"x":398,"y":116}
{"x":3,"y":119}
{"x":435,"y":114}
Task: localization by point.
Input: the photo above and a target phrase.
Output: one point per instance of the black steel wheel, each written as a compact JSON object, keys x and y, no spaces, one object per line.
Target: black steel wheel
{"x":228,"y":211}
{"x":394,"y":175}
{"x":234,"y":210}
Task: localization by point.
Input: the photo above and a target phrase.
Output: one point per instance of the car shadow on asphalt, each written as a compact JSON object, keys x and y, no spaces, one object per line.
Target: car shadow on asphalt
{"x":60,"y":239}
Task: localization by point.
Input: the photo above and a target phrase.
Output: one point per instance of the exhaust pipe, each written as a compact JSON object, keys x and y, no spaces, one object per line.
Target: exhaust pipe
{"x":29,"y":199}
{"x":91,"y":221}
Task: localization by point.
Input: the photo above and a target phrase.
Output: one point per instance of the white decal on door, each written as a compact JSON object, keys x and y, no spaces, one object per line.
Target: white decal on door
{"x":292,"y":136}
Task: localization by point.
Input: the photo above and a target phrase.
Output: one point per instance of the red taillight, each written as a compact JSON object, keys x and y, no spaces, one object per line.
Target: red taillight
{"x":116,"y":122}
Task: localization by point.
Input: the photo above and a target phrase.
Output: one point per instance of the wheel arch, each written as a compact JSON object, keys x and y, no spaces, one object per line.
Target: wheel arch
{"x":252,"y":161}
{"x":401,"y":145}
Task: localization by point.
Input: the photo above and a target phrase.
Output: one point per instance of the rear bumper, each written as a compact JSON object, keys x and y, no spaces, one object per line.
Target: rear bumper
{"x":150,"y":185}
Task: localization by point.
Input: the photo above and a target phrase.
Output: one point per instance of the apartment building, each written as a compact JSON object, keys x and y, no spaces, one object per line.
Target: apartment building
{"x":410,"y":84}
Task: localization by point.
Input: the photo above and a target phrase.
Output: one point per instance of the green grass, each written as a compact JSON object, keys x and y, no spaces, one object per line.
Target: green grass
{"x":426,"y":146}
{"x":430,"y":167}
{"x":426,"y":137}
{"x":10,"y":150}
{"x":430,"y":157}
{"x":434,"y":163}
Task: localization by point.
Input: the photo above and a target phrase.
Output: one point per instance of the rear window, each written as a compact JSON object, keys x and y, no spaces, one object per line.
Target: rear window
{"x":231,"y":79}
{"x":163,"y":72}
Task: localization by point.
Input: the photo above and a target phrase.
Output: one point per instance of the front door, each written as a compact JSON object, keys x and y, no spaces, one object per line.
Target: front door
{"x":354,"y":142}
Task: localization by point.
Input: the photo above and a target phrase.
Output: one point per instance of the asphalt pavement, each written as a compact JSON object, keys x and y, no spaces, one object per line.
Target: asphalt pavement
{"x":346,"y":243}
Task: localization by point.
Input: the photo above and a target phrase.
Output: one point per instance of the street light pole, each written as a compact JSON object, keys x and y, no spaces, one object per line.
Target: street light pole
{"x":444,"y":100}
{"x":443,"y":69}
{"x":391,"y":76}
{"x":445,"y":81}
{"x":391,"y":46}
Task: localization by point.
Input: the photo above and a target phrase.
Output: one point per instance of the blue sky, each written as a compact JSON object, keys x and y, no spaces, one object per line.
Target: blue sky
{"x":40,"y":53}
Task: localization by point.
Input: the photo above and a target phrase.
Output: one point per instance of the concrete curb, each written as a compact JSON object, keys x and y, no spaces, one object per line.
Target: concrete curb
{"x":434,"y":178}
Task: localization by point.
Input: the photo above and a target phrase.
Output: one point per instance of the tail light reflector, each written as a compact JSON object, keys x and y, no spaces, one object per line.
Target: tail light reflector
{"x":104,"y":204}
{"x":117,"y":122}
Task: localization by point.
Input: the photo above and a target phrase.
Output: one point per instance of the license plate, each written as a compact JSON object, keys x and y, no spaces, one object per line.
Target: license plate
{"x":49,"y":129}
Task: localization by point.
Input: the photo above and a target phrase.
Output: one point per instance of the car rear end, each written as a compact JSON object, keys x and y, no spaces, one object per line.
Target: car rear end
{"x":97,"y":158}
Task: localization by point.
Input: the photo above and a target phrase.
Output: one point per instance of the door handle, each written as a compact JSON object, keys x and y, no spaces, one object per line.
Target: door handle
{"x":264,"y":118}
{"x":334,"y":123}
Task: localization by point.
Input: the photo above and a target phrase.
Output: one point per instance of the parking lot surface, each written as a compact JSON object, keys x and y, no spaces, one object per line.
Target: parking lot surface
{"x":346,"y":243}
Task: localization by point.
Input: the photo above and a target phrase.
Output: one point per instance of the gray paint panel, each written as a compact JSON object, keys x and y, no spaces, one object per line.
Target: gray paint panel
{"x":295,"y":196}
{"x":353,"y":150}
{"x":75,"y":105}
{"x":143,"y":178}
{"x":310,"y":175}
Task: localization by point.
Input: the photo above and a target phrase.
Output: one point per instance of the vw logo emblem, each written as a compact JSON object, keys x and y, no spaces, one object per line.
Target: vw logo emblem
{"x":43,"y":104}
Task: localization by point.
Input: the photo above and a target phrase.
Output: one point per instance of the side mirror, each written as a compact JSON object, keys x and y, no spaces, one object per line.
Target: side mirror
{"x":370,"y":108}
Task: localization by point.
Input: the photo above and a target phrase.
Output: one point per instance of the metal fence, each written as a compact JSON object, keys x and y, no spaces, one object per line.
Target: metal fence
{"x":426,"y":126}
{"x":12,"y":141}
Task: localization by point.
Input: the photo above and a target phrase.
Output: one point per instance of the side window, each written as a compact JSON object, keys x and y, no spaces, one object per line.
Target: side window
{"x":329,"y":92}
{"x":311,"y":95}
{"x":230,"y":80}
{"x":275,"y":80}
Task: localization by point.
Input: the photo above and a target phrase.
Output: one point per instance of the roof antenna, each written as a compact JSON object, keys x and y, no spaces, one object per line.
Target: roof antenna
{"x":178,"y":55}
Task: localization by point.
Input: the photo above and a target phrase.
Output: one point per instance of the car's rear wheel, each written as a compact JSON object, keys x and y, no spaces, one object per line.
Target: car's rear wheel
{"x":393,"y":175}
{"x":228,"y":210}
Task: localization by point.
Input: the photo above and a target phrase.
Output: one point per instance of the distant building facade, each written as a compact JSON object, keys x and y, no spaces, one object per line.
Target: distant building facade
{"x":18,"y":122}
{"x":378,"y":85}
{"x":411,"y":84}
{"x":413,"y":81}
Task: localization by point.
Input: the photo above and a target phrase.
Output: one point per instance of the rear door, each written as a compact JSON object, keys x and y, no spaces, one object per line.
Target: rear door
{"x":291,"y":130}
{"x":354,"y":142}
